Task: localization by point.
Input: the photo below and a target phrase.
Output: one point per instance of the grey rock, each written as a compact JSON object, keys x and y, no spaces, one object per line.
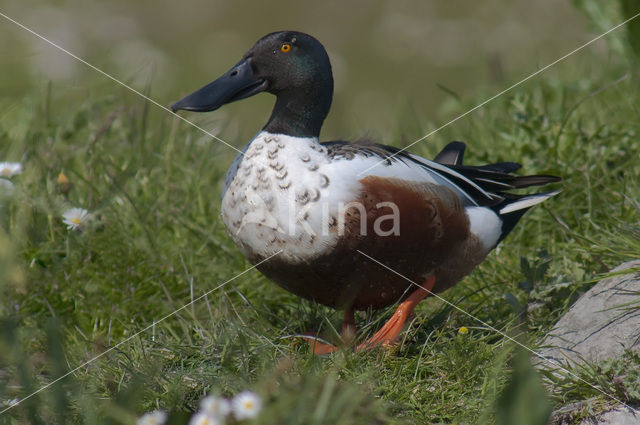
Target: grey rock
{"x":566,"y":414}
{"x":617,"y":416}
{"x":598,"y":326}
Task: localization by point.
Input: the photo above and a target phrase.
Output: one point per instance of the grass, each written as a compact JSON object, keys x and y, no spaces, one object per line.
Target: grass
{"x":157,"y":243}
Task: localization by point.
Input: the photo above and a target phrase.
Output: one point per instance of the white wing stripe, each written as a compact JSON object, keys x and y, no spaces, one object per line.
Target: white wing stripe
{"x":527,"y":202}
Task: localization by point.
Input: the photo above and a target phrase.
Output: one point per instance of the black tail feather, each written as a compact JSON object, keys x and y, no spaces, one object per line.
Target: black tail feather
{"x":496,"y":179}
{"x":515,"y":206}
{"x":452,"y":154}
{"x":509,"y":221}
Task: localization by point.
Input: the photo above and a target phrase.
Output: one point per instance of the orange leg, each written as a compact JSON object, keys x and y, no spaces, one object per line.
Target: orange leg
{"x":389,"y":333}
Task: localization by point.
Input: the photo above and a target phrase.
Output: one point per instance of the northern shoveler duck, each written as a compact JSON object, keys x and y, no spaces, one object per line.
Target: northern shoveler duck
{"x":323,"y":205}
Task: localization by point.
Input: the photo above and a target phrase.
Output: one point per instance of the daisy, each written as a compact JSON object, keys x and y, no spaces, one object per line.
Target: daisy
{"x":215,"y":406}
{"x":202,"y":418}
{"x":463,"y":330}
{"x":10,"y":169}
{"x":157,"y":417}
{"x":75,"y":218}
{"x":246,"y":405}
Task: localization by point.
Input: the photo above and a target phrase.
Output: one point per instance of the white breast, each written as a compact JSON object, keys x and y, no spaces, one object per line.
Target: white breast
{"x":284,"y":193}
{"x":273,"y":197}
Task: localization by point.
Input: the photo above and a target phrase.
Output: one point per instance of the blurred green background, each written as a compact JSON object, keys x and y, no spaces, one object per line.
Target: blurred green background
{"x":389,"y":58}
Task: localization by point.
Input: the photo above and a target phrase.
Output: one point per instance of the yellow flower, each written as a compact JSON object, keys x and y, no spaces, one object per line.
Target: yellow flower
{"x":64,"y":185}
{"x":463,"y":330}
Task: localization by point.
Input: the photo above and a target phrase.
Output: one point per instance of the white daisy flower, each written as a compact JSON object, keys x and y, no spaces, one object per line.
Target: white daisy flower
{"x":75,"y":218}
{"x":215,"y":406}
{"x":10,"y":169}
{"x":246,"y":405}
{"x":6,"y":187}
{"x":157,"y":417}
{"x":203,"y":418}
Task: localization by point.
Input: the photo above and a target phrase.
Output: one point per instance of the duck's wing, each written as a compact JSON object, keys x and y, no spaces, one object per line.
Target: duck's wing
{"x":389,"y":161}
{"x":484,"y":186}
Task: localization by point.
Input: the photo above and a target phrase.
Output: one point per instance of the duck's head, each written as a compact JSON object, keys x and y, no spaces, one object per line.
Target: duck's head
{"x":291,"y":65}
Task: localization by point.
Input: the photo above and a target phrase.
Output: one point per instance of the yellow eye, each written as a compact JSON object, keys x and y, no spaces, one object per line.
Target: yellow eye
{"x":285,"y":47}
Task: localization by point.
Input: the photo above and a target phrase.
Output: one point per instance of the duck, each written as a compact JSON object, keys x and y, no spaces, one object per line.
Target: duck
{"x":352,"y":225}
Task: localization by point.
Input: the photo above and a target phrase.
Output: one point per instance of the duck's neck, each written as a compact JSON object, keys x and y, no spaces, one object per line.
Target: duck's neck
{"x":300,"y":111}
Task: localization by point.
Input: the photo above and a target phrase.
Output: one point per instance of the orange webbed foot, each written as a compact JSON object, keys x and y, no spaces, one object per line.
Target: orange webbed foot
{"x":389,"y":333}
{"x":386,"y":336}
{"x":320,"y":346}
